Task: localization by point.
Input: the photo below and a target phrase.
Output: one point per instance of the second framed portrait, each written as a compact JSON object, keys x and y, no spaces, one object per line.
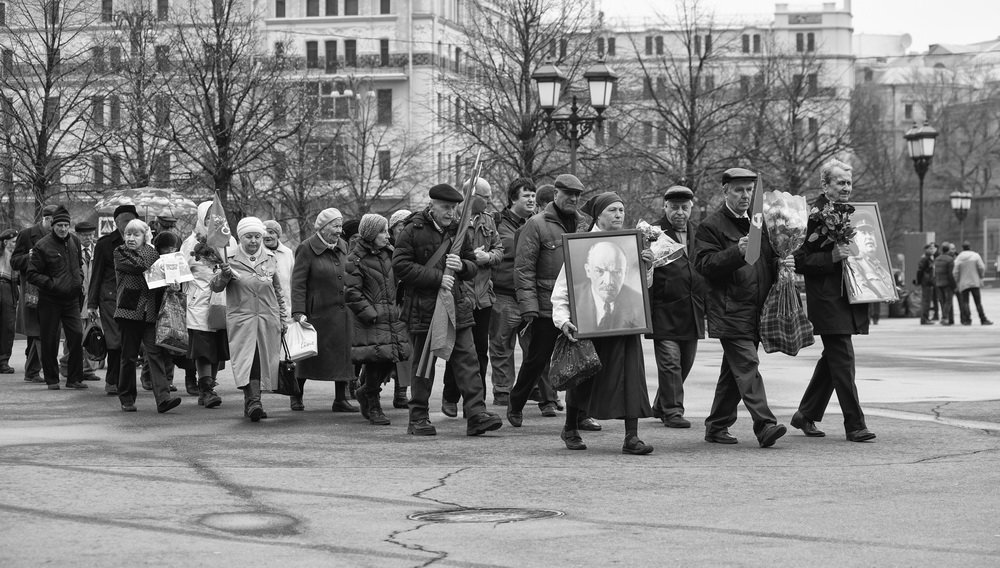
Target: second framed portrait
{"x":607,"y":283}
{"x":867,"y":272}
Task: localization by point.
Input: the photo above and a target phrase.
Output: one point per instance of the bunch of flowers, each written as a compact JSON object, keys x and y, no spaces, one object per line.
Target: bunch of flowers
{"x":786,"y":216}
{"x":834,"y":224}
{"x":205,"y":253}
{"x":665,"y":250}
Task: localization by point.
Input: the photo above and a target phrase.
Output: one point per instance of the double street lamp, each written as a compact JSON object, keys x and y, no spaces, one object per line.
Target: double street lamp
{"x":920,"y":145}
{"x":550,"y":80}
{"x":961,"y":202}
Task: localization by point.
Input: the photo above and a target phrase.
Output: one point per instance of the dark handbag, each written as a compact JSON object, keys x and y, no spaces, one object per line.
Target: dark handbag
{"x":288,"y":384}
{"x":30,"y":295}
{"x":572,"y":363}
{"x":95,"y":346}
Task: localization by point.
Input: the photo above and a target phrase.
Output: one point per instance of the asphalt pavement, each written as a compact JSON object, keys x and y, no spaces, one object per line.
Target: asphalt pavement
{"x":84,"y":484}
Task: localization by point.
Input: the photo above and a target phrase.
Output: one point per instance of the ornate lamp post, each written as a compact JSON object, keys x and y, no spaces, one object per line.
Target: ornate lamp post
{"x":550,"y":80}
{"x":961,"y":201}
{"x":920,"y":145}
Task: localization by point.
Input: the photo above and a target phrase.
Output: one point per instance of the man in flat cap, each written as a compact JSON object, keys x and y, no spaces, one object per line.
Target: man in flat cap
{"x":87,"y":233}
{"x":27,"y":319}
{"x":488,"y":249}
{"x":677,"y":300}
{"x":537,"y":263}
{"x":833,"y":317}
{"x":102,"y":293}
{"x":56,"y":268}
{"x":9,"y":279}
{"x":423,"y":253}
{"x":736,"y":294}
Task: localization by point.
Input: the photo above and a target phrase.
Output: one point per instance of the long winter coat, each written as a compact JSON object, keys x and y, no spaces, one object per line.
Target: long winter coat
{"x":319,"y":286}
{"x":379,"y":333}
{"x":736,"y":290}
{"x":254,"y":309}
{"x":538,"y":260}
{"x":135,"y":300}
{"x":416,"y":245}
{"x":102,"y":293}
{"x":27,"y":316}
{"x":677,"y":296}
{"x":830,"y":312}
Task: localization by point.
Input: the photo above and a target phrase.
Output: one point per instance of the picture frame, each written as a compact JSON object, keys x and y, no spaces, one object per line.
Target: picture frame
{"x":868,"y":271}
{"x":603,"y":254}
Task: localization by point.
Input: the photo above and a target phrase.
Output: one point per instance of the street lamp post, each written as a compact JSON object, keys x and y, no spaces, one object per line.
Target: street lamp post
{"x":961,"y":202}
{"x":920,"y":145}
{"x":549,"y":81}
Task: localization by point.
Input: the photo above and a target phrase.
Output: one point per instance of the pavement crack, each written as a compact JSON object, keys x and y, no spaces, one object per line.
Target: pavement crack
{"x":439,"y":555}
{"x":956,"y":455}
{"x":441,"y":482}
{"x":937,"y":410}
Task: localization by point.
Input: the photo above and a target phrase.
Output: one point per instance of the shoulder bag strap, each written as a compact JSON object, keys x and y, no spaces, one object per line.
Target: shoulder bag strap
{"x":445,"y":244}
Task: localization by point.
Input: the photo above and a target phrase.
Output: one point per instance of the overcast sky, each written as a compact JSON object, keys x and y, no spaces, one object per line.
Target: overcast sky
{"x":927,"y":21}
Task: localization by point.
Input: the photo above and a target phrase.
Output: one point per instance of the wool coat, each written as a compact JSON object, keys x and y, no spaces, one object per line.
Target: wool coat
{"x":677,"y":295}
{"x":27,"y":316}
{"x":379,"y":333}
{"x":135,"y":300}
{"x":254,"y":311}
{"x":102,"y":293}
{"x":319,"y":286}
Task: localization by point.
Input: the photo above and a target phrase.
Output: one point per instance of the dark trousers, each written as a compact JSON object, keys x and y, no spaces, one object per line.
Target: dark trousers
{"x":945,"y":295}
{"x":88,"y":366}
{"x":53,"y":313}
{"x":536,"y":360}
{"x":834,"y":372}
{"x":375,"y":375}
{"x":8,"y":318}
{"x":963,"y":305}
{"x":481,"y":340}
{"x":674,"y":360}
{"x":470,"y":386}
{"x":136,"y":334}
{"x":927,"y":298}
{"x":33,"y":357}
{"x":739,"y":378}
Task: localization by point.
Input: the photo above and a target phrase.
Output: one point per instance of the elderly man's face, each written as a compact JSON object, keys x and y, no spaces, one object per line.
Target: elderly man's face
{"x":678,"y":212}
{"x":738,"y":194}
{"x":568,"y":201}
{"x":606,"y":269}
{"x":839,"y":186}
{"x":271,"y":239}
{"x":444,"y":212}
{"x":61,"y":229}
{"x":88,"y":238}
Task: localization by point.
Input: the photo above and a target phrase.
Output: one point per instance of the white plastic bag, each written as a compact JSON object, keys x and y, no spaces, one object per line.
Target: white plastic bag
{"x":301,"y":340}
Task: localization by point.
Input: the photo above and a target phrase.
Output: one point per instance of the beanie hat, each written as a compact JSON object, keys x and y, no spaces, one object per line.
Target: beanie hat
{"x":399,"y":217}
{"x":250,"y":225}
{"x":371,"y":225}
{"x":61,"y":215}
{"x":274,"y":226}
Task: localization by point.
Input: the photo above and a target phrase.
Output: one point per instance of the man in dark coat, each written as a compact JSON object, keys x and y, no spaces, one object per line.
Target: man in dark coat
{"x":56,"y":268}
{"x":419,"y":261}
{"x":102,"y":293}
{"x":677,"y":301}
{"x":944,"y":282}
{"x":28,"y":315}
{"x":833,"y":317}
{"x":736,"y":294}
{"x":8,"y":299}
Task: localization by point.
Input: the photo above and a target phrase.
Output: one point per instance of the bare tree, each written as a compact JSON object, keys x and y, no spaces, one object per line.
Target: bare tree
{"x":48,"y":81}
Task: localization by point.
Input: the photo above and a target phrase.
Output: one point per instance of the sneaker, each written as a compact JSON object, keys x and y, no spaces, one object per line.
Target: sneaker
{"x":482,"y":423}
{"x":421,"y":428}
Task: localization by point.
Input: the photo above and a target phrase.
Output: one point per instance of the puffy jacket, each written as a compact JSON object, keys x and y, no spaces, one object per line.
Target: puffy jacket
{"x":55,"y":266}
{"x":538,"y":261}
{"x":379,"y":333}
{"x":969,"y":270}
{"x":677,"y":296}
{"x":417,"y":243}
{"x":943,"y":266}
{"x":736,"y":290}
{"x":484,"y":235}
{"x":507,"y":224}
{"x":830,"y":312}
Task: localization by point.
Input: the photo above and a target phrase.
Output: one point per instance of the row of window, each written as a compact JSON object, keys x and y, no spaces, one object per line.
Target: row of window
{"x":330,"y":7}
{"x":750,"y":43}
{"x":329,"y":158}
{"x":108,"y":10}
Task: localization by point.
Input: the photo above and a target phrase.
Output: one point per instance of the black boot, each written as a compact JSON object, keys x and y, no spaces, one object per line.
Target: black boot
{"x":399,"y":399}
{"x":191,"y":385}
{"x":375,"y":415}
{"x":363,"y":402}
{"x":208,"y":398}
{"x":251,"y":395}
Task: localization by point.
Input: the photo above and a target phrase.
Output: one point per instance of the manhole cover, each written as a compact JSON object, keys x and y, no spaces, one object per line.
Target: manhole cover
{"x":484,"y":515}
{"x":251,"y":523}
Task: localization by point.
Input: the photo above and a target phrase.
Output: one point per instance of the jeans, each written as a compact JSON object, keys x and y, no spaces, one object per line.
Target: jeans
{"x":963,"y":305}
{"x":504,"y":321}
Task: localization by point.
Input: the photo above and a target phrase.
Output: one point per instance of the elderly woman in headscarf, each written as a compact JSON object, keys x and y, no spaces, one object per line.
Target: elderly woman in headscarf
{"x":255,"y":312}
{"x":380,"y":339}
{"x":618,"y":391}
{"x":319,"y":283}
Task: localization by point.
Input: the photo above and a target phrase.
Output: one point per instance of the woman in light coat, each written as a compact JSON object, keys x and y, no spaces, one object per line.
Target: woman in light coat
{"x":254,"y":315}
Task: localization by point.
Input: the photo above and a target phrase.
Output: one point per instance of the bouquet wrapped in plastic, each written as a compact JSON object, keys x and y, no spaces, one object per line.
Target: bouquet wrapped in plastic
{"x":783,"y":324}
{"x":665,"y":250}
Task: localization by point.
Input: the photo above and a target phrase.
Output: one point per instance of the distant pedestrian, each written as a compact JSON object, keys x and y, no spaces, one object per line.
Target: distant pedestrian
{"x":285,"y":257}
{"x":944,"y":282}
{"x":87,"y":233}
{"x":27,"y":307}
{"x":9,"y":280}
{"x":969,"y":271}
{"x":925,"y":279}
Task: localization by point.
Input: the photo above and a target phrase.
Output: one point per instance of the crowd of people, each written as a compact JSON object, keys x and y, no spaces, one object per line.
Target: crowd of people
{"x":942,"y":276}
{"x":370,"y":288}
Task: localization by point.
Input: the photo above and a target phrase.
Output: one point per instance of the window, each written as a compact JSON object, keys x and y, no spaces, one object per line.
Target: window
{"x":115,"y":58}
{"x":279,"y":8}
{"x":812,"y":85}
{"x":458,"y":60}
{"x":613,"y":136}
{"x":599,"y":134}
{"x":312,"y":55}
{"x":97,"y":163}
{"x":312,"y":8}
{"x":649,"y":45}
{"x":659,"y":45}
{"x":869,"y":75}
{"x":162,"y":111}
{"x":709,"y":82}
{"x":3,"y":14}
{"x":661,"y":134}
{"x":8,"y":60}
{"x":796,"y":85}
{"x":708,"y":44}
{"x":385,"y":7}
{"x":341,"y":107}
{"x":350,"y":7}
{"x":52,"y":11}
{"x":279,"y":108}
{"x":339,"y":166}
{"x":384,"y":106}
{"x":813,"y":128}
{"x":351,"y":52}
{"x":810,"y":42}
{"x":746,"y":43}
{"x":647,"y":87}
{"x":383,"y":52}
{"x":163,"y":58}
{"x":97,"y":58}
{"x":661,"y":86}
{"x":908,"y":111}
{"x":331,"y":7}
{"x":600,"y":47}
{"x":115,"y":111}
{"x":744,"y":85}
{"x":756,"y":43}
{"x":161,"y":169}
{"x":928,"y":111}
{"x":611,"y":47}
{"x":647,"y":134}
{"x":279,"y":166}
{"x":116,"y":169}
{"x":458,"y":111}
{"x":800,"y":43}
{"x":107,"y":9}
{"x":97,"y":111}
{"x":330,"y":48}
{"x":51,"y":112}
{"x":697,"y":45}
{"x":563,"y":46}
{"x":384,"y":165}
{"x":162,"y":10}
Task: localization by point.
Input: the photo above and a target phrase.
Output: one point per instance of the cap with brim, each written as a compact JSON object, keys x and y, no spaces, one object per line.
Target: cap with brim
{"x":863,"y":221}
{"x":738,"y":174}
{"x":125,"y":209}
{"x":85,"y":227}
{"x":445,"y":192}
{"x":8,"y":234}
{"x":678,"y":193}
{"x":568,"y":182}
